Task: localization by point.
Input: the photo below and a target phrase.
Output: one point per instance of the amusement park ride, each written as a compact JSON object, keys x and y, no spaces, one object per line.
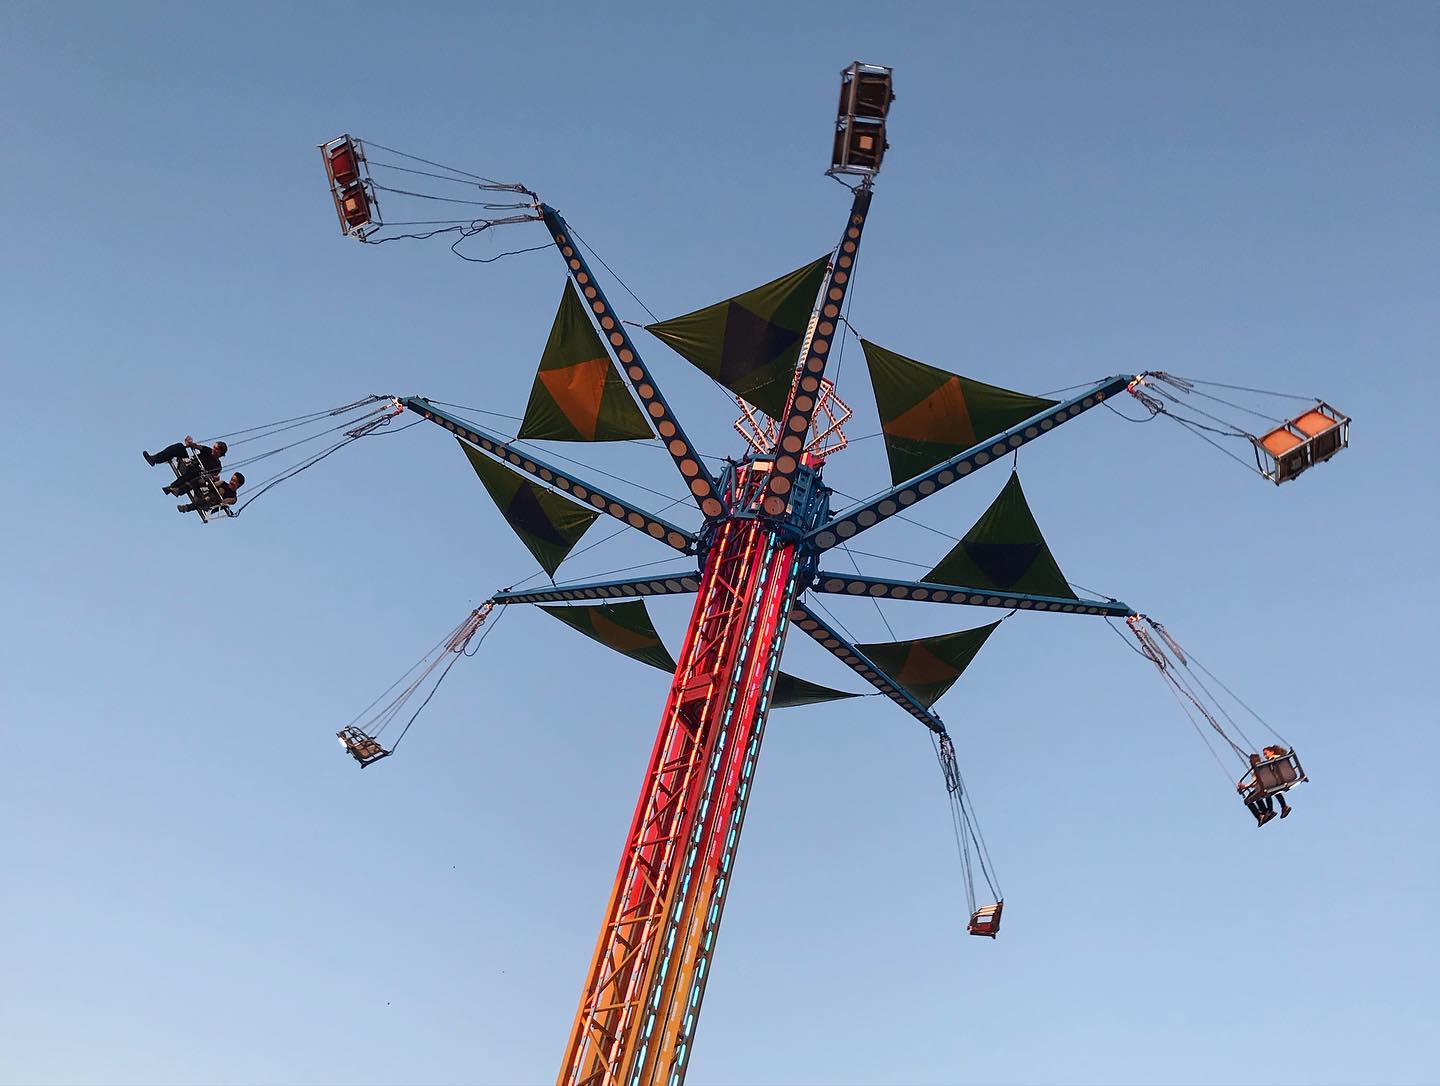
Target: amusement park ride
{"x":759,"y":558}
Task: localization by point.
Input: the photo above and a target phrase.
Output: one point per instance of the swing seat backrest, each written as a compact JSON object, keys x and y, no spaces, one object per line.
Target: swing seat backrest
{"x":363,"y":748}
{"x":1277,"y":774}
{"x":986,"y":920}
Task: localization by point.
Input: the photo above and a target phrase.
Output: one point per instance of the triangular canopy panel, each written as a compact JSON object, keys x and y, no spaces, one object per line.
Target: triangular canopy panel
{"x":929,"y":414}
{"x":790,"y":690}
{"x":751,"y":343}
{"x":546,"y":523}
{"x":627,"y":628}
{"x":624,"y":627}
{"x":928,"y":666}
{"x":1004,"y":551}
{"x":578,"y":395}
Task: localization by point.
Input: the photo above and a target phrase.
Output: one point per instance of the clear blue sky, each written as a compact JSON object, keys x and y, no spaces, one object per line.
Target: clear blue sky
{"x":199,"y":887}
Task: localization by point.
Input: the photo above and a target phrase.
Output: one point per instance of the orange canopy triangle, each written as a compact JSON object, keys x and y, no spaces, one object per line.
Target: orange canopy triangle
{"x":923,"y":668}
{"x":618,"y":637}
{"x":577,"y":390}
{"x":942,"y":417}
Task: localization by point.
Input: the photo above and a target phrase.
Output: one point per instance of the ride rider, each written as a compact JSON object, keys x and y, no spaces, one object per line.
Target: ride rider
{"x":192,"y":467}
{"x":221,"y":492}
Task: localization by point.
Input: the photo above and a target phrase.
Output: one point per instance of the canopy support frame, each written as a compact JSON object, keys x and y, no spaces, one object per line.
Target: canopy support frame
{"x":886,"y":588}
{"x":610,"y":590}
{"x":805,"y":385}
{"x":617,"y":340}
{"x":840,"y":646}
{"x":866,"y":514}
{"x":560,"y":480}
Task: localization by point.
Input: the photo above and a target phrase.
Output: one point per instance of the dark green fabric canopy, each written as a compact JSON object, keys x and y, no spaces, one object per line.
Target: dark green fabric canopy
{"x":578,"y":395}
{"x":546,"y":523}
{"x":1004,"y":551}
{"x":624,"y":627}
{"x":790,"y":690}
{"x":628,"y":629}
{"x":929,"y":414}
{"x":928,"y":666}
{"x":751,"y":343}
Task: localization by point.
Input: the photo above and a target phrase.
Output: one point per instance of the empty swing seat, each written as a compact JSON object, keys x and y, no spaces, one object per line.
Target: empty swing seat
{"x":355,"y":206}
{"x":1302,"y":442}
{"x":986,"y":920}
{"x":364,"y":748}
{"x":344,"y":168}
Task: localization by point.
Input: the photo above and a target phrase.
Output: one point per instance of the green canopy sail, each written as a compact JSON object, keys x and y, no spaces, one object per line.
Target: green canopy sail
{"x":624,"y":627}
{"x":928,"y":666}
{"x":628,"y":629}
{"x":1004,"y":551}
{"x":578,"y":395}
{"x":751,"y":343}
{"x":929,"y":415}
{"x":546,"y":523}
{"x":790,"y":690}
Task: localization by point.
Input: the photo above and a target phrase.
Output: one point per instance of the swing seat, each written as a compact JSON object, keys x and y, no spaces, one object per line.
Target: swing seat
{"x":341,"y":159}
{"x":355,"y":207}
{"x":364,"y":748}
{"x":1302,"y":442}
{"x":986,"y":920}
{"x":1273,"y":776}
{"x":202,"y":489}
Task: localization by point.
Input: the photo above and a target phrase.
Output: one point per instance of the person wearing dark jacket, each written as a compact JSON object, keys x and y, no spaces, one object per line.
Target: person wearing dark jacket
{"x":220,"y":492}
{"x":202,"y":461}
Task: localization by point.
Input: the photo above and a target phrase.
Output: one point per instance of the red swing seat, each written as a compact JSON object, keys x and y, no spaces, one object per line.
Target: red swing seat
{"x":986,"y":920}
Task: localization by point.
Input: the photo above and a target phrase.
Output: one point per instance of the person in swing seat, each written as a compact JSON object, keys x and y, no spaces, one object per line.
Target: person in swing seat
{"x":1268,"y":754}
{"x":221,"y":492}
{"x":204,"y":461}
{"x":1261,"y":805}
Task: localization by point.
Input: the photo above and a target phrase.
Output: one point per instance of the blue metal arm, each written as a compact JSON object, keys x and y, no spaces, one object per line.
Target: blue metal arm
{"x":605,"y":590}
{"x":840,"y":647}
{"x":562,"y":480}
{"x":794,"y":431}
{"x":843,"y":584}
{"x":871,"y":512}
{"x":612,"y":330}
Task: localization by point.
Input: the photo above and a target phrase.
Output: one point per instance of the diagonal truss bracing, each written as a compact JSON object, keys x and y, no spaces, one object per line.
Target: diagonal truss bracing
{"x":858,"y":518}
{"x":884,"y":588}
{"x":559,"y":479}
{"x":617,"y":339}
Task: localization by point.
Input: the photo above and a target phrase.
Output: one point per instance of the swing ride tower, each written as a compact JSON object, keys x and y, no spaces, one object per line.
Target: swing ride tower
{"x":766,"y":527}
{"x":641,"y":999}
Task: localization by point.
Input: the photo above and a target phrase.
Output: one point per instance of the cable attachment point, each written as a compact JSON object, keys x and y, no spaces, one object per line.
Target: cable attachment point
{"x":460,"y":640}
{"x":1148,"y":645}
{"x":948,"y":765}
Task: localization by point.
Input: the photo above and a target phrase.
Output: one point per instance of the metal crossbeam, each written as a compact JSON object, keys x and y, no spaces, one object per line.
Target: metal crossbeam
{"x":884,"y":588}
{"x":840,"y":647}
{"x":559,"y":479}
{"x":871,"y":512}
{"x":605,"y":590}
{"x":805,"y":392}
{"x":612,"y":330}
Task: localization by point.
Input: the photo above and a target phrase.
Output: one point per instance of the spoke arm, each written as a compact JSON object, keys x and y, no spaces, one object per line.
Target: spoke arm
{"x":617,"y":340}
{"x":840,"y":647}
{"x":605,"y":590}
{"x":872,"y":511}
{"x":842,"y":584}
{"x":805,"y":392}
{"x":561,"y":480}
